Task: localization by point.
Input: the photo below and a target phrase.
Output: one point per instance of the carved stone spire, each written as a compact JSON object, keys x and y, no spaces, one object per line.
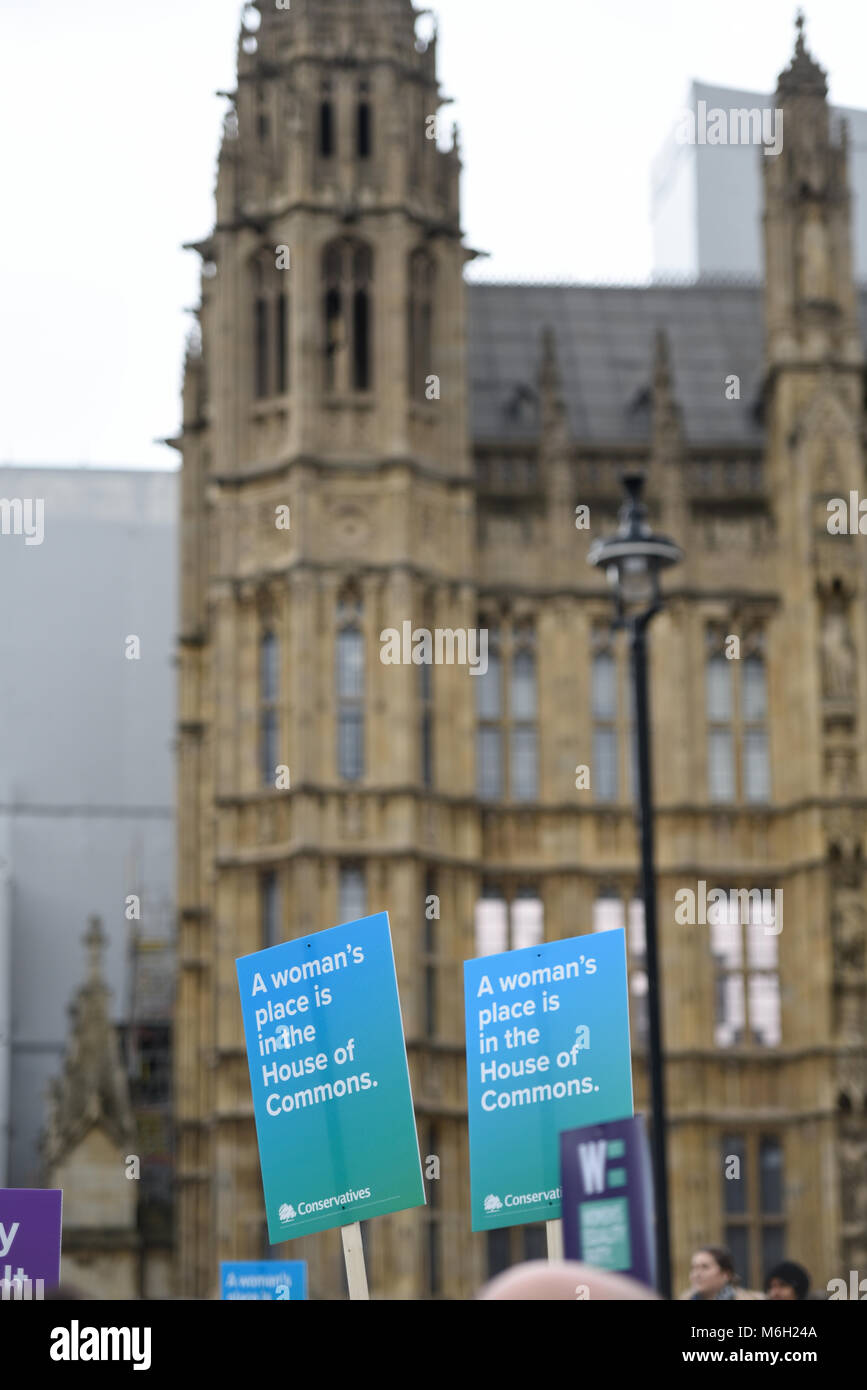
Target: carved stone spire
{"x":93,"y":1089}
{"x":810,"y":302}
{"x":667,"y":422}
{"x":803,"y":75}
{"x":554,"y":423}
{"x":555,"y":455}
{"x":667,"y":452}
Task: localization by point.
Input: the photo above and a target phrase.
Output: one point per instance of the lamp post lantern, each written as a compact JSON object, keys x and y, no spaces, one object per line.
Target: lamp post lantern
{"x":633,"y":559}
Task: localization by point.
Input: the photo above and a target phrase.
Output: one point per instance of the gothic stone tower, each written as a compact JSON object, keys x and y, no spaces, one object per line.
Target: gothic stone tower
{"x":330,"y":492}
{"x":815,"y":437}
{"x":326,"y":496}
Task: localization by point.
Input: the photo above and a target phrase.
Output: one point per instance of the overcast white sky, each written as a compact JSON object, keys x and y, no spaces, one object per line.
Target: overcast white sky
{"x":108,"y":155}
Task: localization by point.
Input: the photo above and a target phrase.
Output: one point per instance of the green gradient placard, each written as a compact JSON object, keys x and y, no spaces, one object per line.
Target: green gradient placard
{"x":547,"y":1050}
{"x":330,"y":1081}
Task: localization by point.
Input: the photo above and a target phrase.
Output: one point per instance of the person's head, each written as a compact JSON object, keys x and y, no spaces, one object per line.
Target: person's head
{"x":562,"y":1280}
{"x":710,"y":1270}
{"x":787,"y":1281}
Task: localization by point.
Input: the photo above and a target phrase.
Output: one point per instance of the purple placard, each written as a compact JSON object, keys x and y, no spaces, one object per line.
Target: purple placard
{"x":607,"y":1196}
{"x":30,"y":1223}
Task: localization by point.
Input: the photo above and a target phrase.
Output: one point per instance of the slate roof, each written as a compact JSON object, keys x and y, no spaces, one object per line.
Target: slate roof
{"x":605,"y":343}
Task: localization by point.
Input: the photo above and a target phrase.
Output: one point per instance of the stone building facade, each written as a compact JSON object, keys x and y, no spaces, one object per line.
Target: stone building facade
{"x":367,"y":440}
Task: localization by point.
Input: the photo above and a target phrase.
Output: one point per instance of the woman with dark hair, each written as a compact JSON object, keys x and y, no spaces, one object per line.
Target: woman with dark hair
{"x":787,"y":1281}
{"x":712,"y":1275}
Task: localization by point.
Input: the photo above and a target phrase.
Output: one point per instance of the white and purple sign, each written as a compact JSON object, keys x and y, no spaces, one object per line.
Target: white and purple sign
{"x":608,"y":1197}
{"x":30,"y":1224}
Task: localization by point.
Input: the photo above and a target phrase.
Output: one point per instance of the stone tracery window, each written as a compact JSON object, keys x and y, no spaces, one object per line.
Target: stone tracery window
{"x":489,"y":713}
{"x":507,"y":714}
{"x":364,"y":121}
{"x":351,"y":892}
{"x":613,"y":719}
{"x":426,"y":724}
{"x":269,"y":908}
{"x":523,"y":751}
{"x":612,"y":909}
{"x":753,"y":1202}
{"x":736,"y":712}
{"x":347,"y":279}
{"x":422,"y":276}
{"x":270,"y":327}
{"x":269,"y":695}
{"x":326,"y":121}
{"x":508,"y":918}
{"x":745,"y":957}
{"x":349,"y":662}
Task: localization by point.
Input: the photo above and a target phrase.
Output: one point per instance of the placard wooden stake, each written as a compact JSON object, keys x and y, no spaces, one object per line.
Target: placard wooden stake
{"x":555,"y":1239}
{"x":353,"y":1254}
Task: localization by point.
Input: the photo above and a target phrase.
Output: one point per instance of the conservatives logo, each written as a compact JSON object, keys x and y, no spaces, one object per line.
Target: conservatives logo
{"x":520,"y":1199}
{"x":287,"y":1213}
{"x":344,"y":1199}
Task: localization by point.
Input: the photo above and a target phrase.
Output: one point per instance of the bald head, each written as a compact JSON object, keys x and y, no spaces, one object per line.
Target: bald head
{"x":562,"y":1280}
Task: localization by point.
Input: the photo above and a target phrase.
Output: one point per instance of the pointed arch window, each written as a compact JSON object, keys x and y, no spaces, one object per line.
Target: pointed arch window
{"x":489,"y":715}
{"x":613,"y":775}
{"x":351,"y":892}
{"x":260,"y":334}
{"x":281,"y":334}
{"x":737,"y":714}
{"x":523,"y":756}
{"x":270,"y":329}
{"x":347,"y":274}
{"x":430,"y":958}
{"x":269,"y":908}
{"x":613,"y":909}
{"x":326,"y":121}
{"x":720,"y":732}
{"x":364,"y":122}
{"x":349,"y":664}
{"x":263,"y":124}
{"x":269,"y":694}
{"x":425,"y":683}
{"x":422,"y":275}
{"x":753,"y":1203}
{"x":743,"y":944}
{"x":506,"y":714}
{"x":754,"y":713}
{"x":508,"y":918}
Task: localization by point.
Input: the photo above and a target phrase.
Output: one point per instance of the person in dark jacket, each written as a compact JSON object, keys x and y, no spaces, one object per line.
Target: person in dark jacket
{"x":788,"y":1281}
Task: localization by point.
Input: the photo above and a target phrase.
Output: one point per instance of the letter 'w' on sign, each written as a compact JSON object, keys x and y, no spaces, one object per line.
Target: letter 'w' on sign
{"x":592,"y":1160}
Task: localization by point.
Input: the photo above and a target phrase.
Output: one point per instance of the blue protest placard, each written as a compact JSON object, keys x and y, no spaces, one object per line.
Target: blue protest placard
{"x":263,"y":1281}
{"x":330,"y":1081}
{"x":608,"y":1197}
{"x":547,"y":1049}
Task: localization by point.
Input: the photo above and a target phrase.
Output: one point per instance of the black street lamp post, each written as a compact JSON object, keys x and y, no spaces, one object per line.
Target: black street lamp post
{"x":632,"y":560}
